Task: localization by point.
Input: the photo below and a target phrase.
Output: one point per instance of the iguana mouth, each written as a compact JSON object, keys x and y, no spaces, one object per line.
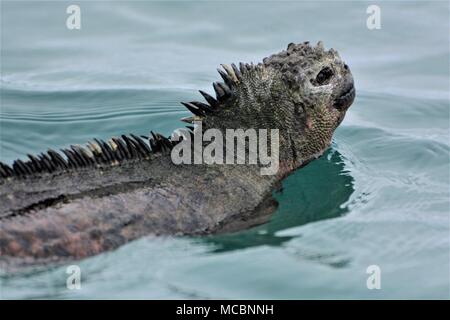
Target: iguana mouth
{"x":346,"y":98}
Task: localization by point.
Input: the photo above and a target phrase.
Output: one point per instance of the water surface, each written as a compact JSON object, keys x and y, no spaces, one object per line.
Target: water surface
{"x":380,"y":196}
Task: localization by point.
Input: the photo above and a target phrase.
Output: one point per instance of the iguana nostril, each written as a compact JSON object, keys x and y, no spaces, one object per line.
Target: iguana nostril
{"x":346,"y":67}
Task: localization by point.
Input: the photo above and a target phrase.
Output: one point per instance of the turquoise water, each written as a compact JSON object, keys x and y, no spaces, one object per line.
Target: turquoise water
{"x":380,"y":196}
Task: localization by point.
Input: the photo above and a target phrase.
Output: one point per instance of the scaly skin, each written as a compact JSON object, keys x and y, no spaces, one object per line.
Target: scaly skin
{"x":99,"y":197}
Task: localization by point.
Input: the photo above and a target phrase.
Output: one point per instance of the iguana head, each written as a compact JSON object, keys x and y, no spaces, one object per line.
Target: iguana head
{"x":303,"y":91}
{"x":320,"y":90}
{"x":318,"y":80}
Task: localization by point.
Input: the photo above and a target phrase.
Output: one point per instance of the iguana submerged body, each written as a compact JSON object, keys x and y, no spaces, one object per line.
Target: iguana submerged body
{"x":87,"y":200}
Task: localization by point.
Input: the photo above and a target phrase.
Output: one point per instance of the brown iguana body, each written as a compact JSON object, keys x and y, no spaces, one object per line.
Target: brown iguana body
{"x":97,"y":198}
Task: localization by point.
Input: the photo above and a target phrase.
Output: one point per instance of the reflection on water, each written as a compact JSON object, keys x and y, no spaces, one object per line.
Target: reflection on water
{"x":316,"y":192}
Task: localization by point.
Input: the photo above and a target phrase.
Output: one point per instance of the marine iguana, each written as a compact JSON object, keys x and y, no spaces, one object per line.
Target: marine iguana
{"x":85,"y":200}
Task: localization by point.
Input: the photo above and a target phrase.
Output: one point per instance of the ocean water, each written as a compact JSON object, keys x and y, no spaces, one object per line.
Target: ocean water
{"x":379,"y":197}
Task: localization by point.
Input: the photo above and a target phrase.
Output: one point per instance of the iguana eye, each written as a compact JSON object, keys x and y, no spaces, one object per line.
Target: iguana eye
{"x":324,"y":76}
